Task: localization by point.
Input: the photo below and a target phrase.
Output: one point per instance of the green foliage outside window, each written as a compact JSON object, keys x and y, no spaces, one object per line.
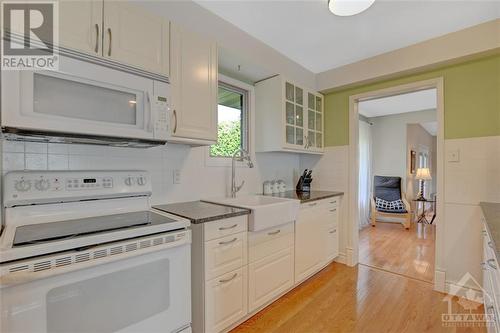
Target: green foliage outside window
{"x":228,"y":139}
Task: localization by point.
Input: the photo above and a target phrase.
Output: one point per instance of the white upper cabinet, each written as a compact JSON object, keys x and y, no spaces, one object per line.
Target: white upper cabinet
{"x":81,"y":25}
{"x":116,"y":30}
{"x":136,"y":37}
{"x":194,"y":87}
{"x":288,"y":117}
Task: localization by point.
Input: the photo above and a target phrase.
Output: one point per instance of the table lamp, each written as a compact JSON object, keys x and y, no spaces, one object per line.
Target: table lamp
{"x":423,"y":174}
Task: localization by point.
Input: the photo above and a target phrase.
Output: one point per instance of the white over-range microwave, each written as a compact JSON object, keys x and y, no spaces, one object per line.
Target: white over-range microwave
{"x":85,"y":102}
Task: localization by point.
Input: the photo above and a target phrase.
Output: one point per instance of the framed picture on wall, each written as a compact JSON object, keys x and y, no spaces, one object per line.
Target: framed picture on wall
{"x":413,"y":161}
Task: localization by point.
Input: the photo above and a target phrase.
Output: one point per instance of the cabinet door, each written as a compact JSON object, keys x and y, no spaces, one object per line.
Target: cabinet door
{"x":81,"y":25}
{"x":309,"y":242}
{"x":294,"y":116}
{"x":332,"y":244}
{"x":225,"y":300}
{"x":269,"y":277}
{"x":136,"y":37}
{"x":315,"y":122}
{"x":194,"y":86}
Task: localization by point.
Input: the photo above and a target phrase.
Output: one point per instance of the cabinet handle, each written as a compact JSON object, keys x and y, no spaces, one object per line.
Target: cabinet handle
{"x":228,"y":242}
{"x":175,"y":121}
{"x":333,"y":202}
{"x":110,"y":41}
{"x":491,"y":264}
{"x":274,"y":232}
{"x":313,"y":204}
{"x":227,"y":228}
{"x":333,"y":231}
{"x":96,"y":49}
{"x":229,"y":279}
{"x":333,"y":210}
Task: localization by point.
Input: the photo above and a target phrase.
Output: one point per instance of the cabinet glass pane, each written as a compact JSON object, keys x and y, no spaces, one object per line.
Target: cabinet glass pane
{"x":289,"y":91}
{"x":290,"y":134}
{"x":310,"y":101}
{"x":299,"y":136}
{"x":289,"y":113}
{"x":311,"y":137}
{"x":318,"y":121}
{"x":299,"y":116}
{"x":318,"y":103}
{"x":299,"y":96}
{"x":311,"y":120}
{"x":319,"y":140}
{"x":77,"y":100}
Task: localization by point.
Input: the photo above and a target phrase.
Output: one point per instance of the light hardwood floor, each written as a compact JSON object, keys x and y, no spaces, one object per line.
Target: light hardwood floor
{"x":390,"y":247}
{"x":357,"y":299}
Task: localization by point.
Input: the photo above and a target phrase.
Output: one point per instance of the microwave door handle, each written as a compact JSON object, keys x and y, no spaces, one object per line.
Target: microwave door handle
{"x":149,"y":126}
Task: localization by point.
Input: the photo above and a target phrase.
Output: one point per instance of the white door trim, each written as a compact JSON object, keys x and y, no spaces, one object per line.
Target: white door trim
{"x":353,"y":214}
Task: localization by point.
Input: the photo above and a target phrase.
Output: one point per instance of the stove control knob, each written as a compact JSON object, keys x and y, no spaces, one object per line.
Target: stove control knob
{"x":22,"y":185}
{"x":141,"y":181}
{"x":42,"y":184}
{"x":129,"y":181}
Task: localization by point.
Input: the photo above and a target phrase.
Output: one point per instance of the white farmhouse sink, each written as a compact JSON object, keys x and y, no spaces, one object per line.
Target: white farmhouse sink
{"x":266,"y":212}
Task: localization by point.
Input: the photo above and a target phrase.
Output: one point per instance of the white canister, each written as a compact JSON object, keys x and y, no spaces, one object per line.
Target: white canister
{"x":267,"y":187}
{"x":275,"y":186}
{"x":282,"y":186}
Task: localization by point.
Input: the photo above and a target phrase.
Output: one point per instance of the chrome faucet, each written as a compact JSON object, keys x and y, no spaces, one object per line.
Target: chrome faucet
{"x":240,"y":155}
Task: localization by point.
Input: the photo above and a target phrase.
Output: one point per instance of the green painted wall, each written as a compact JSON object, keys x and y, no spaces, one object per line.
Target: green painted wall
{"x":471,"y":101}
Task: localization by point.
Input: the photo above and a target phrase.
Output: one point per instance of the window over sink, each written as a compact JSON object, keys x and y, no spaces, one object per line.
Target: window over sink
{"x":232,"y":121}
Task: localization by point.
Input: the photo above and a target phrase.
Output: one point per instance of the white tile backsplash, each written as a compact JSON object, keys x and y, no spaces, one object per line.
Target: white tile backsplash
{"x":58,"y":162}
{"x":13,"y":147}
{"x":36,"y":147}
{"x":13,"y":161}
{"x":35,"y":161}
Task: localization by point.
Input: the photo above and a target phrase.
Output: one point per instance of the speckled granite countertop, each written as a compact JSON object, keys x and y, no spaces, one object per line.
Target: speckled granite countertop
{"x":491,"y":213}
{"x":308,"y":196}
{"x":201,"y":212}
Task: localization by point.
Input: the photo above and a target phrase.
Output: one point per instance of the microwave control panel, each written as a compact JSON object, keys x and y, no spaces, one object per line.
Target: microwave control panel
{"x":161,"y":104}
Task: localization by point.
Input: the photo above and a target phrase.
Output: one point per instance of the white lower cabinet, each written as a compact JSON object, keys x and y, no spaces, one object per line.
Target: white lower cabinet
{"x":491,"y":282}
{"x":225,"y":300}
{"x":271,"y":266}
{"x":316,"y":237}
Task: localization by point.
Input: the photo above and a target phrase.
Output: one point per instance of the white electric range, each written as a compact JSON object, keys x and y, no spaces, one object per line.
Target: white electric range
{"x":83,"y":251}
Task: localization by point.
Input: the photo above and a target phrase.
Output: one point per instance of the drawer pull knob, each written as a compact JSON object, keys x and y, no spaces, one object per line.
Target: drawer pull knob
{"x":229,"y":242}
{"x":491,"y":264}
{"x":490,"y":244}
{"x":229,"y":279}
{"x":227,"y":228}
{"x":313,"y":204}
{"x":274,"y":232}
{"x":333,"y":202}
{"x":333,"y":210}
{"x":333,"y":231}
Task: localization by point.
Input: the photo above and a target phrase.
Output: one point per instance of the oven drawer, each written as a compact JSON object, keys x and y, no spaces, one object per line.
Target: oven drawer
{"x":221,"y":228}
{"x":225,"y":254}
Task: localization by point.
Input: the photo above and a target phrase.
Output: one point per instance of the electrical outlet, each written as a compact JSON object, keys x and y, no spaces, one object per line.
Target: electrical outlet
{"x":453,"y":156}
{"x":177,"y":176}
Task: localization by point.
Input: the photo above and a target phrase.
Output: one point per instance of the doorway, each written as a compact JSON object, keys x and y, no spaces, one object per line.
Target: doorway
{"x":416,"y":253}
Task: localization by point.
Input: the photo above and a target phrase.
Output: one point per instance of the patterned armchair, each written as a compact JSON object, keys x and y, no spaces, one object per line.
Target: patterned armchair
{"x":389,"y":189}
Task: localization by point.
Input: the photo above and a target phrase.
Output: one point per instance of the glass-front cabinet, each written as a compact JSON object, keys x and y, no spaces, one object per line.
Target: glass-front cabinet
{"x":289,"y":117}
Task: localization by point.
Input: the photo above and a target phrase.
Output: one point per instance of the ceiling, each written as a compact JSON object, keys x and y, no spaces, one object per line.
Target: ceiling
{"x":306,"y":32}
{"x":410,"y":102}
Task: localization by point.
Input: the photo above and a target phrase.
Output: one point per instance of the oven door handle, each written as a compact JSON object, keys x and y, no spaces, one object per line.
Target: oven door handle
{"x":10,"y":279}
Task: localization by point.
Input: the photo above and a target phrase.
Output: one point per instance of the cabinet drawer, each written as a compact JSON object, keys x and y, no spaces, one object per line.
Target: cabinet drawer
{"x":225,"y":254}
{"x":269,"y":277}
{"x":267,"y":242}
{"x":323,"y":203}
{"x":332,"y":244}
{"x":225,"y":300}
{"x":221,"y":228}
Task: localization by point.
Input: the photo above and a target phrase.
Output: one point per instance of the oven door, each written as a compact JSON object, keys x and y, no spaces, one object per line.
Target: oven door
{"x":81,"y":98}
{"x":142,"y":293}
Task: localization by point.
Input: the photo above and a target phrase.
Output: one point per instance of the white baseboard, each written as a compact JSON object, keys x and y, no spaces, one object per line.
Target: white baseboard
{"x":341,"y":258}
{"x":440,"y":281}
{"x":351,"y":260}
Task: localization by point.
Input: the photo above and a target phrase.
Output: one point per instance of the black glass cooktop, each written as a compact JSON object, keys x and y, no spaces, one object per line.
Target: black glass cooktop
{"x":61,"y":230}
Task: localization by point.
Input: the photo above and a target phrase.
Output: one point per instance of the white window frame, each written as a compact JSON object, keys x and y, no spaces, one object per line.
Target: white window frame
{"x":219,"y":161}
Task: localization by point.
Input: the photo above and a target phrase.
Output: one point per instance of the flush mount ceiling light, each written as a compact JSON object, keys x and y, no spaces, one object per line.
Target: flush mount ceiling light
{"x":349,"y":7}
